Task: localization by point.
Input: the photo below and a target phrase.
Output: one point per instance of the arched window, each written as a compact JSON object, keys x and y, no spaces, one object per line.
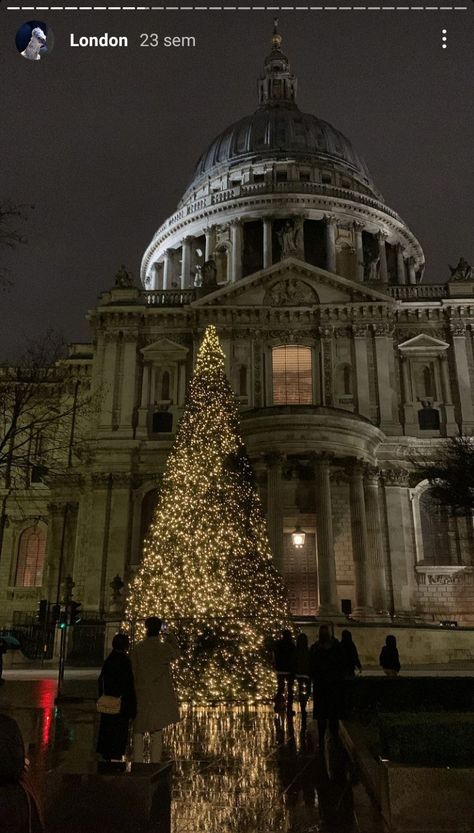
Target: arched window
{"x":438,"y":534}
{"x":343,"y":380}
{"x":243,"y":380}
{"x":31,"y":556}
{"x":424,"y":380}
{"x":165,"y":385}
{"x":292,"y":375}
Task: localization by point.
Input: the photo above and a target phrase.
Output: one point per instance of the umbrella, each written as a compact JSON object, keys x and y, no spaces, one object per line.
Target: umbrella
{"x":10,"y":641}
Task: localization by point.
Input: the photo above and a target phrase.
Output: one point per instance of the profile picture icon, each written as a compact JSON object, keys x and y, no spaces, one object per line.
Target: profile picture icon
{"x":34,"y":40}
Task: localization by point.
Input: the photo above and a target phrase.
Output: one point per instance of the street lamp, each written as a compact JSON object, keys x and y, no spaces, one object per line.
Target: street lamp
{"x":298,"y":537}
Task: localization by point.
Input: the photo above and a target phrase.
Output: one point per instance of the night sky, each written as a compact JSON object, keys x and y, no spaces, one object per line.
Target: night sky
{"x":104,"y":141}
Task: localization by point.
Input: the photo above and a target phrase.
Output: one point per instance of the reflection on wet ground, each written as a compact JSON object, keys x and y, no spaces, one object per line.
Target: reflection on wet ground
{"x":238,"y":769}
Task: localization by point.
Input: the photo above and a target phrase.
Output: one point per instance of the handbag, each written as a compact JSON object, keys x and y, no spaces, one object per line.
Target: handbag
{"x":106,"y":704}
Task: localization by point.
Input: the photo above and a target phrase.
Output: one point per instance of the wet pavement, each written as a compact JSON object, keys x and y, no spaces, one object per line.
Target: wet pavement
{"x":237,"y":769}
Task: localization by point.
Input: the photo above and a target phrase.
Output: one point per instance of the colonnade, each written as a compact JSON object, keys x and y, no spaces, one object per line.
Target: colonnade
{"x":370,"y":587}
{"x":174,"y":270}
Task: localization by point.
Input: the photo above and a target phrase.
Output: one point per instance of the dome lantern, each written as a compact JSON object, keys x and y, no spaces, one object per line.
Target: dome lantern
{"x":277,"y":86}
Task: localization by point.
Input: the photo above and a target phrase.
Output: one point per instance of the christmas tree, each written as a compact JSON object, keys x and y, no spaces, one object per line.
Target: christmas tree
{"x":207,"y":568}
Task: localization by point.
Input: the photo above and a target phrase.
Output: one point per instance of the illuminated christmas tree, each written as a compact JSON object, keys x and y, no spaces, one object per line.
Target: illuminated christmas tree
{"x":207,"y":567}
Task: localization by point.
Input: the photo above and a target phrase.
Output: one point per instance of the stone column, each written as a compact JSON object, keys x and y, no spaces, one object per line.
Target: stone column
{"x":375,"y":547}
{"x":462,"y":374}
{"x":57,"y":517}
{"x":267,"y":242}
{"x":410,"y":420}
{"x":110,"y":375}
{"x":328,"y":601}
{"x":362,"y":369}
{"x":401,"y":540}
{"x":210,"y":242}
{"x":358,"y":229}
{"x":381,"y":237}
{"x":330,"y":243}
{"x":275,"y":508}
{"x":127,"y":399}
{"x":118,"y":551}
{"x":383,"y":359}
{"x":236,"y":258}
{"x":168,"y":269}
{"x":360,"y":543}
{"x":186,"y":263}
{"x":401,"y":271}
{"x":411,"y":270}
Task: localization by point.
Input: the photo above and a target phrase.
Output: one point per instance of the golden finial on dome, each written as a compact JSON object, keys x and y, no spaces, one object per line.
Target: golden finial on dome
{"x":277,"y":38}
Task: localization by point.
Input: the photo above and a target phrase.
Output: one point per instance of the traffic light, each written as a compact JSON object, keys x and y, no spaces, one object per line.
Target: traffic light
{"x":63,"y":619}
{"x":75,"y":613}
{"x":42,"y":612}
{"x":55,"y":613}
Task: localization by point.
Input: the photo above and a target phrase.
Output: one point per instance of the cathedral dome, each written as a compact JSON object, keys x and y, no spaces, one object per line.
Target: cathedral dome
{"x":283,"y":132}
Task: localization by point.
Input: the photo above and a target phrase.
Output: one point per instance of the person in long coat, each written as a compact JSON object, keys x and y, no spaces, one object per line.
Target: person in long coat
{"x":327,"y":673}
{"x":157,"y":703}
{"x":350,"y":655}
{"x":285,"y":659}
{"x":116,"y":680}
{"x":19,"y":807}
{"x":389,"y":658}
{"x":303,"y":672}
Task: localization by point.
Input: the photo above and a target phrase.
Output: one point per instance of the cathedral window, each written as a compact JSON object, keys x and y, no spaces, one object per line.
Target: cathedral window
{"x":162,"y":422}
{"x":439,"y":533}
{"x":424,"y":381}
{"x":281,"y":176}
{"x":292,"y":375}
{"x":343,"y":380}
{"x":31,"y":556}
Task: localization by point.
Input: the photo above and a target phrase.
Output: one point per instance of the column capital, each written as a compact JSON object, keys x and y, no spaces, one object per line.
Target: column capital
{"x":395,"y":477}
{"x":273,"y":459}
{"x":236,"y":221}
{"x":371,"y":475}
{"x":326,"y":332}
{"x":321,"y":458}
{"x":457,"y":329}
{"x":360,"y":330}
{"x":358,"y":226}
{"x":331,"y":219}
{"x":382,"y":235}
{"x":187,"y":239}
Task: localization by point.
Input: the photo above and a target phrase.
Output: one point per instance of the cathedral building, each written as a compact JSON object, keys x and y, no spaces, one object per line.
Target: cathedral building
{"x":346,"y":363}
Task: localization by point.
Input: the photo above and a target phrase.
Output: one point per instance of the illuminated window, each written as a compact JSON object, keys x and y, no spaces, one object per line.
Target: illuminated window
{"x":31,"y":557}
{"x":292,"y":375}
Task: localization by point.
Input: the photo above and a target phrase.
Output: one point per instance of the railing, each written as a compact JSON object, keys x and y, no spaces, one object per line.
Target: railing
{"x":169,"y":297}
{"x":289,"y":187}
{"x":424,"y":291}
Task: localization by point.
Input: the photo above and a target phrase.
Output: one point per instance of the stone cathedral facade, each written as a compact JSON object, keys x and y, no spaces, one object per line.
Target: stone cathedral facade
{"x":345,"y":362}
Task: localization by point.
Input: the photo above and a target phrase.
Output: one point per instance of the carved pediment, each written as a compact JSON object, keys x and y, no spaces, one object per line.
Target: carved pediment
{"x":423,"y":345}
{"x":164,"y":350}
{"x":290,"y":292}
{"x":291,"y":282}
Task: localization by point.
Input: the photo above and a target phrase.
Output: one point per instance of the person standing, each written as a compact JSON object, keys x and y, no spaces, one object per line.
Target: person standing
{"x":116,"y":680}
{"x":327,"y":673}
{"x":19,"y":808}
{"x":285,"y":666}
{"x":157,"y":704}
{"x":3,"y":650}
{"x":389,"y":659}
{"x":303,"y":672}
{"x":349,"y":655}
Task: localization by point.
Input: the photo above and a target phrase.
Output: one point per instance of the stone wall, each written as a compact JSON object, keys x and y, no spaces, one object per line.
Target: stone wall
{"x":447,"y":595}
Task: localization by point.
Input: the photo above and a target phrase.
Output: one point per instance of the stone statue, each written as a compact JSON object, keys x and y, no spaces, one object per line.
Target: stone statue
{"x":124,"y":279}
{"x":371,"y":261}
{"x":461,"y":272}
{"x":291,"y":239}
{"x":198,"y":276}
{"x":209,"y":275}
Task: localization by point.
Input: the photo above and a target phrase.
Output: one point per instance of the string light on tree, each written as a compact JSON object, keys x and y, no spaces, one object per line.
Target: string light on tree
{"x":207,"y":567}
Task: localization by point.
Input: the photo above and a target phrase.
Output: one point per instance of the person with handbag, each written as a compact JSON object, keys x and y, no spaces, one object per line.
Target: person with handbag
{"x":117,"y":703}
{"x":157,"y":703}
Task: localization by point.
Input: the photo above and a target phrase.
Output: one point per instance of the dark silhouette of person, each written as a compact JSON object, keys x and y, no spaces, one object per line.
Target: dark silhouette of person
{"x":285,"y":666}
{"x":3,"y":650}
{"x":19,"y":807}
{"x":349,"y":655}
{"x":389,"y":659}
{"x":303,"y":672}
{"x":116,"y":680}
{"x":327,"y":674}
